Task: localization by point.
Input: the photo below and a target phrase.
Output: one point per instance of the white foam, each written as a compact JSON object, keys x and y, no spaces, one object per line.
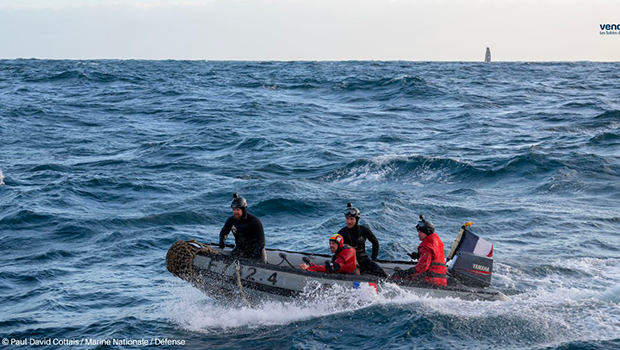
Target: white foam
{"x":558,"y":313}
{"x":582,"y":308}
{"x":612,"y":294}
{"x":1,"y":178}
{"x":194,"y":311}
{"x":590,"y":274}
{"x":605,"y":269}
{"x":381,"y":167}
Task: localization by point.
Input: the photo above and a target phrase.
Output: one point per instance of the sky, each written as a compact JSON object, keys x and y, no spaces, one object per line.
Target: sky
{"x":409,"y":30}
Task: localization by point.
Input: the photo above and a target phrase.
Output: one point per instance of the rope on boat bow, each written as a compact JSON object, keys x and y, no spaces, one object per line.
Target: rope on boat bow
{"x":238,"y":266}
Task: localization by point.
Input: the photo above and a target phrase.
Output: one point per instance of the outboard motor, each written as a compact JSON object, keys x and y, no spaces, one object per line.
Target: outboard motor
{"x":471,"y":259}
{"x":472,"y":270}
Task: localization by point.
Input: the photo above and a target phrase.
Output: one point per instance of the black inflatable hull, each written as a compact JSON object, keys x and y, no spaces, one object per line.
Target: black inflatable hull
{"x":218,"y":274}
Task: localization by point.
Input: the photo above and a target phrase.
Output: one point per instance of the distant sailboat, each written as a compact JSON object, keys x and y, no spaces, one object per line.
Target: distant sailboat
{"x":487,"y":56}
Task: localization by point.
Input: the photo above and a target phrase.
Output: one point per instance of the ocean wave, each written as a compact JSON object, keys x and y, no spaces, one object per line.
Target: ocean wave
{"x":528,"y":164}
{"x":88,"y":75}
{"x":102,"y":163}
{"x":556,"y":173}
{"x":27,"y":218}
{"x":28,"y":111}
{"x":69,"y":232}
{"x":56,"y":168}
{"x":607,"y":121}
{"x":612,"y":294}
{"x":182,"y":218}
{"x":92,"y":187}
{"x":305,"y":84}
{"x":609,"y":116}
{"x":386,"y":89}
{"x":15,"y":280}
{"x":399,"y":167}
{"x":424,"y":169}
{"x":253,"y":143}
{"x":581,"y":105}
{"x":280,"y":206}
{"x":606,"y":139}
{"x":565,"y":180}
{"x":70,"y":75}
{"x":51,"y":255}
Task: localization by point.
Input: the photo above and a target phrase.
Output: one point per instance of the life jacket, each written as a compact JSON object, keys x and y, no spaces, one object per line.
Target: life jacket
{"x":347,"y":260}
{"x":343,"y":261}
{"x":436,"y":272}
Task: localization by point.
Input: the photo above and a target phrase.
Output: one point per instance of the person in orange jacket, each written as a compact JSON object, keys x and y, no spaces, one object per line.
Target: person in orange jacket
{"x":343,"y":261}
{"x":431,"y":266}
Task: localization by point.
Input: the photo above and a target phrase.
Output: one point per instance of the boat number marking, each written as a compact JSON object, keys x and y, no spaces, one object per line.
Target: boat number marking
{"x":226,"y":268}
{"x":273,"y":278}
{"x":251,"y":275}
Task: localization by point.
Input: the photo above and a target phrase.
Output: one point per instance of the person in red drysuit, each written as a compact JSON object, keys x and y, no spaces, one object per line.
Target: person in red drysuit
{"x":343,"y":261}
{"x":431,"y":266}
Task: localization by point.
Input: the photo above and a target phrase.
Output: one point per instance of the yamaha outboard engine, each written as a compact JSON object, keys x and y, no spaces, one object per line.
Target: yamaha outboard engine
{"x":471,"y":259}
{"x":472,"y":270}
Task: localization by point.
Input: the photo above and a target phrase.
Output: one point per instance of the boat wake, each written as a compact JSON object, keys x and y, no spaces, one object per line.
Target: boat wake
{"x":547,"y":314}
{"x":195,"y":311}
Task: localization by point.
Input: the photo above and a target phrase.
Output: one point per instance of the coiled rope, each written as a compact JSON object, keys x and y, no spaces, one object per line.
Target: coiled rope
{"x":180,"y":257}
{"x":180,"y":260}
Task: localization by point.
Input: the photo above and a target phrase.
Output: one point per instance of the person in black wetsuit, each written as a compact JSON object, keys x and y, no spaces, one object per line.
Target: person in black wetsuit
{"x":247,"y":229}
{"x":356,"y":235}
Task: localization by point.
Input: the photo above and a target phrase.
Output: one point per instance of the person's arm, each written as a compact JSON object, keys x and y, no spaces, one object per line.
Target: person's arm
{"x":424,"y":262}
{"x":316,"y":268}
{"x":329,"y":267}
{"x":260,"y":239}
{"x":375,"y":243}
{"x":224,"y":233}
{"x":333,"y":267}
{"x":414,"y":255}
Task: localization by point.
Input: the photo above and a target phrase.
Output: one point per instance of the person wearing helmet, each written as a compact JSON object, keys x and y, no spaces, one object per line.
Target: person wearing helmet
{"x":247,"y":229}
{"x":431,"y":266}
{"x":343,"y":260}
{"x":356,"y":235}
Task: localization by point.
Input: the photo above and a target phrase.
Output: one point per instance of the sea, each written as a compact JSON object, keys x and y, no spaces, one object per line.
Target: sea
{"x":104,"y":164}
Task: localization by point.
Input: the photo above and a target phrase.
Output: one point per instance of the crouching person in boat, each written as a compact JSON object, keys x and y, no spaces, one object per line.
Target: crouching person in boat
{"x":343,"y":261}
{"x":356,"y":235}
{"x":247,"y":229}
{"x":431,"y":266}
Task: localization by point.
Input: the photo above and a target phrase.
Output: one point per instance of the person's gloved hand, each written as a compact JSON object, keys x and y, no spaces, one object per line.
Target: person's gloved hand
{"x":414,"y":255}
{"x":222,"y":245}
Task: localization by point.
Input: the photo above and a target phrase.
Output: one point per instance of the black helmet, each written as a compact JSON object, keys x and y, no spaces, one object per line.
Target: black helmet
{"x":351,"y":212}
{"x":238,"y":202}
{"x":425,"y":226}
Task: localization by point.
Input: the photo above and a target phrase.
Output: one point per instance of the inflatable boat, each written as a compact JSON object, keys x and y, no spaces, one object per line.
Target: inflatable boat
{"x":220,"y":275}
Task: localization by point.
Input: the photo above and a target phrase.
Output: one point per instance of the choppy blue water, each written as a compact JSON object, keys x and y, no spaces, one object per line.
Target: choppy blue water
{"x":104,"y":164}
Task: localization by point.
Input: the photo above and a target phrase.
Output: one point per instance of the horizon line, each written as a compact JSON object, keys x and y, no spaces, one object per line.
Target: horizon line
{"x":300,"y":60}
